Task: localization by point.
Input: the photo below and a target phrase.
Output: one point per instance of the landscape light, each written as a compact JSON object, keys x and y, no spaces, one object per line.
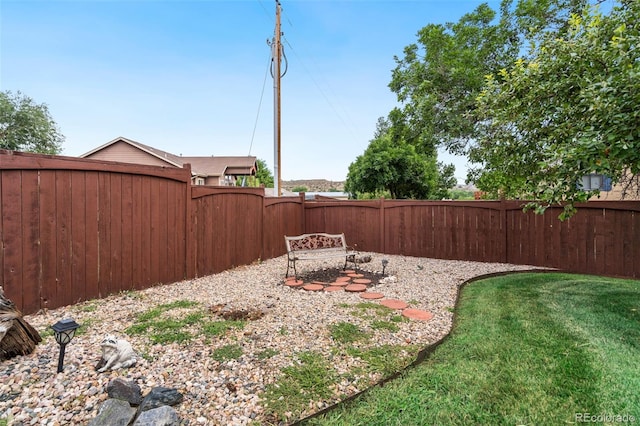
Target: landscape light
{"x":64,"y":330}
{"x":385,"y":262}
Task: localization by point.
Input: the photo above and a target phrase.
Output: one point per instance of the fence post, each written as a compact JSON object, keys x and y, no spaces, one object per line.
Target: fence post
{"x":303,"y":197}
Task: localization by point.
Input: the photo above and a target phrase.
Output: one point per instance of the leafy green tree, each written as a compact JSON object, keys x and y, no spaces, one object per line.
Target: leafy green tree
{"x":391,"y":164}
{"x":263,"y":176}
{"x":461,"y":194}
{"x":27,"y":126}
{"x":572,"y":108}
{"x":438,"y":78}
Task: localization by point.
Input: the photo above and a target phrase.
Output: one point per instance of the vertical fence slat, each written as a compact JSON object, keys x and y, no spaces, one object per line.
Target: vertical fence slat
{"x":92,"y":236}
{"x":30,"y":250}
{"x":173,"y":230}
{"x":78,"y":236}
{"x":127,"y":242}
{"x":48,"y":252}
{"x":115,"y":214}
{"x":64,"y":228}
{"x":104,"y":234}
{"x":138,"y":223}
{"x":12,"y":244}
{"x":145,"y":240}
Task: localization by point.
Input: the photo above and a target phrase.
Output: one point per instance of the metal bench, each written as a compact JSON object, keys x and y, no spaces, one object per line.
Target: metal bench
{"x":318,"y":246}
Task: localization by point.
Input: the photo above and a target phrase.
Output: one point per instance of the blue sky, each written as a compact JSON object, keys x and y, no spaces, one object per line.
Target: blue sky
{"x":188,"y":76}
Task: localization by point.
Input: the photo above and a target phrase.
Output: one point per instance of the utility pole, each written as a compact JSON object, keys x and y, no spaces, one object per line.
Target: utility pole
{"x":276,"y":59}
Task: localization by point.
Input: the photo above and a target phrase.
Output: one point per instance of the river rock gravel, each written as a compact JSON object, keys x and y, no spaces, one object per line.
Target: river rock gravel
{"x":227,"y":392}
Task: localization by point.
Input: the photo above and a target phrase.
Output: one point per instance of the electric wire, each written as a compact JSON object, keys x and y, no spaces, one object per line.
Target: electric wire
{"x":264,"y":84}
{"x":286,"y":64}
{"x":349,"y":126}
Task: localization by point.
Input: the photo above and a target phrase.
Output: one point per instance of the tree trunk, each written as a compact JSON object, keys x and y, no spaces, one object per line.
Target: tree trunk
{"x":17,"y":337}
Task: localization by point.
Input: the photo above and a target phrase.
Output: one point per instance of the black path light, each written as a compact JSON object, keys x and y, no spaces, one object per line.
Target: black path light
{"x":385,"y":262}
{"x":64,"y":331}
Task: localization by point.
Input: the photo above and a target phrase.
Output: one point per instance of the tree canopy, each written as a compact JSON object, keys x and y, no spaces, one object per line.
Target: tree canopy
{"x":570,"y":109}
{"x":537,"y":95}
{"x":438,"y":78}
{"x":393,"y":165}
{"x":263,"y":176}
{"x":27,"y":126}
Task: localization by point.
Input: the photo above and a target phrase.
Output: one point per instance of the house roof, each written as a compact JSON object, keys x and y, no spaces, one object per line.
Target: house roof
{"x":200,"y":166}
{"x":218,"y":166}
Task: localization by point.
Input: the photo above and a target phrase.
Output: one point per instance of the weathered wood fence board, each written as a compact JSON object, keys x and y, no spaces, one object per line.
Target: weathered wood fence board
{"x":281,"y":216}
{"x":74,"y":229}
{"x":229,"y":227}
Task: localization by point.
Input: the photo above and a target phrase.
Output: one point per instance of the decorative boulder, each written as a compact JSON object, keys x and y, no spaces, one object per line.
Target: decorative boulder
{"x":165,"y":416}
{"x":127,"y":391}
{"x":160,"y":396}
{"x":113,"y":412}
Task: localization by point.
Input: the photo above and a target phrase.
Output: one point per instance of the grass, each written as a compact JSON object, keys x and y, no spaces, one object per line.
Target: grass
{"x":346,"y":332}
{"x":219,"y":328}
{"x":369,"y":310}
{"x":385,"y":359}
{"x":163,"y":329}
{"x":310,"y":379}
{"x":227,"y":352}
{"x":525,"y":349}
{"x":267,"y":353}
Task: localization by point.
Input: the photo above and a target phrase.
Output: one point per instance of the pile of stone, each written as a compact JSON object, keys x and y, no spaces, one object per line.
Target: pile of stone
{"x":126,"y":406}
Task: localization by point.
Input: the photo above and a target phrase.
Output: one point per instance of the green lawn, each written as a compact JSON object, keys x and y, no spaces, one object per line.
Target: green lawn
{"x":526,"y":349}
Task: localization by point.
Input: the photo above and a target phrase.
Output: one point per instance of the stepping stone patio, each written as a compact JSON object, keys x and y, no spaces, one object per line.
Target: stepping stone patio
{"x":353,"y":282}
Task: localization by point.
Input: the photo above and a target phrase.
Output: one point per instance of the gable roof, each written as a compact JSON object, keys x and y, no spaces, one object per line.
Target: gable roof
{"x":200,"y":166}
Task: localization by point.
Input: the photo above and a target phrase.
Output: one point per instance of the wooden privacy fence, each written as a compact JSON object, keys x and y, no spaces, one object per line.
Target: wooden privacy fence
{"x":74,"y":229}
{"x":602,"y":238}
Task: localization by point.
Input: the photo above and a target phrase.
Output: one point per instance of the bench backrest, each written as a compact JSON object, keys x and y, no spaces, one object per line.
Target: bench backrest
{"x":315,"y":242}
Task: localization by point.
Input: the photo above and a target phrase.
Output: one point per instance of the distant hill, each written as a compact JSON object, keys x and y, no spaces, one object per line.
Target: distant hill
{"x":314,"y":185}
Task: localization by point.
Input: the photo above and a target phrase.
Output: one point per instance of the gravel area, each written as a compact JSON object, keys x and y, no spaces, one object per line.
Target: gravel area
{"x":227,"y":392}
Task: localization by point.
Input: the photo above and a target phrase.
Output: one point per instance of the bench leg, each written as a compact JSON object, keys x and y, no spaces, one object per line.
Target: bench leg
{"x":291,"y":263}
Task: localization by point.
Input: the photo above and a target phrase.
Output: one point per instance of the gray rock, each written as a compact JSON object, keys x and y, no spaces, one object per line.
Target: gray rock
{"x":113,"y":412}
{"x":128,"y":391}
{"x":160,"y":396}
{"x":161,"y":416}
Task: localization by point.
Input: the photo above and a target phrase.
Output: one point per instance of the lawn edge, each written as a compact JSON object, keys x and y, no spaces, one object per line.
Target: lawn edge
{"x":424,"y":353}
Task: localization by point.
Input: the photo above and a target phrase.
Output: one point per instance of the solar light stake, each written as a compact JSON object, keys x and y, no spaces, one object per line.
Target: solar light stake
{"x":64,"y":330}
{"x":385,"y":262}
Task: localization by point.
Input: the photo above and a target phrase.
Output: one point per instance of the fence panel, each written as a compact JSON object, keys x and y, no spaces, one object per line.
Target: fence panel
{"x":282,"y":216}
{"x":229,"y":226}
{"x":71,"y":228}
{"x":358,"y":220}
{"x":602,"y":238}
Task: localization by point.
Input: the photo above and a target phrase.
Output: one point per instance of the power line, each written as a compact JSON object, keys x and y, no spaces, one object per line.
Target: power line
{"x":264,"y":83}
{"x":351,"y":127}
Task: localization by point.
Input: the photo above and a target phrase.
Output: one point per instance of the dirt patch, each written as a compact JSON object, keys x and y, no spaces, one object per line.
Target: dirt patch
{"x":331,"y":275}
{"x":234,"y":314}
